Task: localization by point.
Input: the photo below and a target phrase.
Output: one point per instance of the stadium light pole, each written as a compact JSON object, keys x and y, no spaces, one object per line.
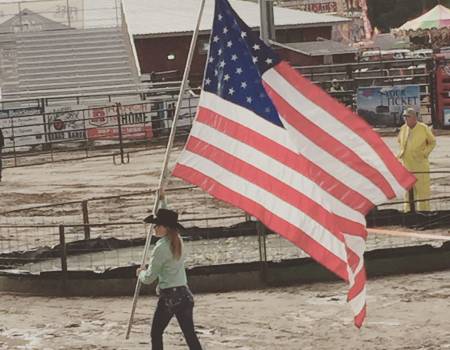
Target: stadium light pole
{"x":162,"y":178}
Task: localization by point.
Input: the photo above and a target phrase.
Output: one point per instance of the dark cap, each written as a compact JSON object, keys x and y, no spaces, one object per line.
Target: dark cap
{"x":164,"y":217}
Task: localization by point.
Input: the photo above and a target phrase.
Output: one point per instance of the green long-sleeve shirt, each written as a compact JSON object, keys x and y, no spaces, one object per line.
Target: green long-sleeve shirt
{"x":164,"y":266}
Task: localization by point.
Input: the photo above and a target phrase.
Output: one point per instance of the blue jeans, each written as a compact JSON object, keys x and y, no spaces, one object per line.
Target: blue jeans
{"x":176,"y":301}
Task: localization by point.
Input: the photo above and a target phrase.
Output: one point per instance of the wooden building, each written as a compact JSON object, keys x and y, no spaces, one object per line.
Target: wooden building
{"x":162,"y":32}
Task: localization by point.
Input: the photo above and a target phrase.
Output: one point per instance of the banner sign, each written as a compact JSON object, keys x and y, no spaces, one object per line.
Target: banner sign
{"x":447,"y":117}
{"x":318,"y":6}
{"x":22,"y":127}
{"x":65,"y":123}
{"x":135,"y":122}
{"x":188,"y":109}
{"x":384,"y":105}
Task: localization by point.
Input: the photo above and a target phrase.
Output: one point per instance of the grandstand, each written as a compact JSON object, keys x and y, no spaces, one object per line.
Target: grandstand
{"x":50,"y":59}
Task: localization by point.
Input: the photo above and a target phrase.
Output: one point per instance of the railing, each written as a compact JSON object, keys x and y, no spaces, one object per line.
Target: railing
{"x":352,"y":76}
{"x":51,"y":133}
{"x":147,"y":91}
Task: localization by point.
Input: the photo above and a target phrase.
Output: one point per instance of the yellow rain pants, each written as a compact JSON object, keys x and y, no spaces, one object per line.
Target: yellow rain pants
{"x":416,"y":145}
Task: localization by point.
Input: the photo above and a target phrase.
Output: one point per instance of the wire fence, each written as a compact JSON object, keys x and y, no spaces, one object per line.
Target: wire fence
{"x":117,"y":246}
{"x":92,"y":234}
{"x":33,"y":228}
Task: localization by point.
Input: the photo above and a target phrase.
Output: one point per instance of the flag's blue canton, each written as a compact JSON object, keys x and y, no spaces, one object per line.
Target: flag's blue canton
{"x":237,"y":59}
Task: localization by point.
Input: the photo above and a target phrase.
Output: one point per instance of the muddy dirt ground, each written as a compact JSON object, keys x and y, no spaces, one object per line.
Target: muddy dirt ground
{"x":96,"y":177}
{"x":404,"y":312}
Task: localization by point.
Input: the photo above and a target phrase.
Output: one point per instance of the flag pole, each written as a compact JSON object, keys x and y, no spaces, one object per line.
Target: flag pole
{"x":166,"y":159}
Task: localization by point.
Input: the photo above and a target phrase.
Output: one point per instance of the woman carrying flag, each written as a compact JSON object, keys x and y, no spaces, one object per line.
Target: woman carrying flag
{"x":167,"y":265}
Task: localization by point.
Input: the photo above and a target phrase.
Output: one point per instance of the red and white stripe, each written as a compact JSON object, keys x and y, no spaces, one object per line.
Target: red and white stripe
{"x":338,"y":141}
{"x":312,"y":181}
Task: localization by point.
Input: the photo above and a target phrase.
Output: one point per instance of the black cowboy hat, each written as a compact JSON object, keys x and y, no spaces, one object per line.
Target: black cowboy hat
{"x":164,"y":217}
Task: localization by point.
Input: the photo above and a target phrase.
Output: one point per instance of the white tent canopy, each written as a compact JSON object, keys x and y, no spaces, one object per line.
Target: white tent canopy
{"x":437,"y":17}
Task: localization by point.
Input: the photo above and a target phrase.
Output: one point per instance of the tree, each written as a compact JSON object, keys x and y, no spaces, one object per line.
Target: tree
{"x":388,"y":14}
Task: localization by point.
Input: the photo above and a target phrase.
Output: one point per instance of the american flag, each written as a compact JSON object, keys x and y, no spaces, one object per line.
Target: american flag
{"x":268,"y":141}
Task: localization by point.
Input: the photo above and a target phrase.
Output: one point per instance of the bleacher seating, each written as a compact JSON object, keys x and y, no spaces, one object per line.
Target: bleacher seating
{"x":67,"y":62}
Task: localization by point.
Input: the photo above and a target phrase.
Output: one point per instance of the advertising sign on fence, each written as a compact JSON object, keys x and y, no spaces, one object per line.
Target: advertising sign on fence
{"x":447,"y":117}
{"x":22,"y":127}
{"x":134,"y":123}
{"x":65,"y":123}
{"x":384,"y":105}
{"x":166,"y":111}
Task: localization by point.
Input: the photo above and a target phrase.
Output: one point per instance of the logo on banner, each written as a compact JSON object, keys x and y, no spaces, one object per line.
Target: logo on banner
{"x":99,"y":117}
{"x":65,"y":123}
{"x":58,"y":124}
{"x":384,"y":105}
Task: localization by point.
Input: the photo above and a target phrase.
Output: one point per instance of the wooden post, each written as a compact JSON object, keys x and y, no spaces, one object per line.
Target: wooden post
{"x":261,"y":229}
{"x":62,"y":242}
{"x":87,"y":228}
{"x":412,"y":203}
{"x":119,"y":126}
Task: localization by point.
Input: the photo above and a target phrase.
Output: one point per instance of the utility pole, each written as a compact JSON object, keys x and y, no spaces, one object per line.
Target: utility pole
{"x":267,"y":28}
{"x":365,"y":16}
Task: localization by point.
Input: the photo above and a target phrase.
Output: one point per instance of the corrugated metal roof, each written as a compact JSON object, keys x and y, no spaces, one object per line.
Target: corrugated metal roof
{"x":147,"y":17}
{"x":322,"y":47}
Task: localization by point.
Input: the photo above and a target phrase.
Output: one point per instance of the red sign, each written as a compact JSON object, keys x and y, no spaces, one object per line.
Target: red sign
{"x":99,"y":117}
{"x":134,"y":122}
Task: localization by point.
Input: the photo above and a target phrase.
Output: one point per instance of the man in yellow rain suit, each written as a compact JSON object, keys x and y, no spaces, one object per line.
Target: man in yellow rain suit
{"x":416,"y":143}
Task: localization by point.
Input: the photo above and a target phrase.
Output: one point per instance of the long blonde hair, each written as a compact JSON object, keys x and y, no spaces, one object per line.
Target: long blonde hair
{"x":176,"y":245}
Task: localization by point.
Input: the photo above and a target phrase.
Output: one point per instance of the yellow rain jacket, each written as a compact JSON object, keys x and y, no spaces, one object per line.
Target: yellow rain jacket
{"x":416,"y":145}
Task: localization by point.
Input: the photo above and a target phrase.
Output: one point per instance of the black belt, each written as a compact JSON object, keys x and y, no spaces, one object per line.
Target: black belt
{"x":172,"y":289}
